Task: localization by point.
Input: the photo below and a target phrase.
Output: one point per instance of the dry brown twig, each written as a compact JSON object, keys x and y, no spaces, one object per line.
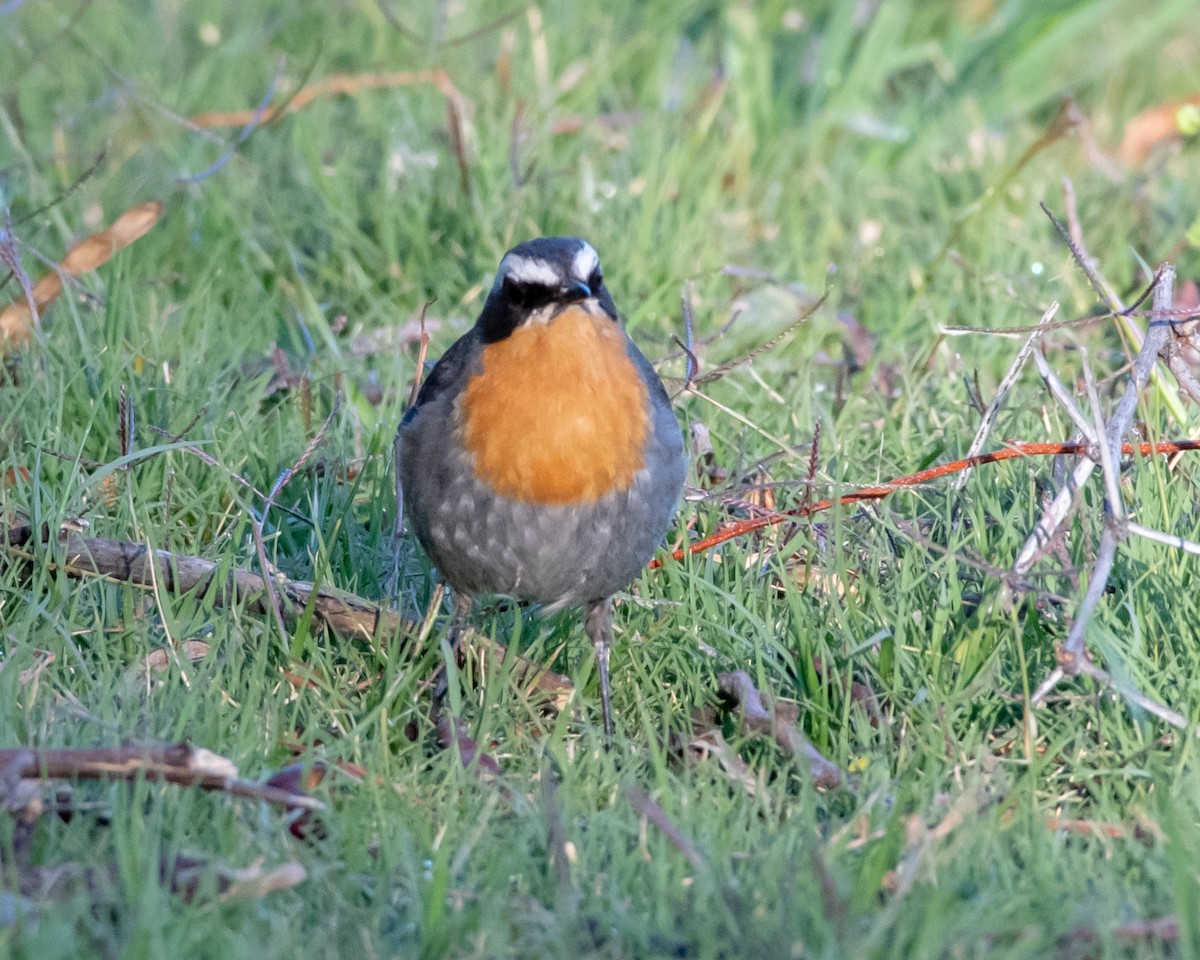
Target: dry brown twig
{"x":648,"y":808}
{"x":342,"y":613}
{"x":178,"y":763}
{"x":739,"y":690}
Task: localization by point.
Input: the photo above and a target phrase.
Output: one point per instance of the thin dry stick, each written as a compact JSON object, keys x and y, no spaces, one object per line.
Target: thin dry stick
{"x":1180,"y":370}
{"x":195,"y":451}
{"x":1106,"y":292}
{"x":1109,"y":471}
{"x":1059,"y":392}
{"x":647,"y":807}
{"x":1170,"y":539}
{"x":1047,"y":526}
{"x":1157,"y":333}
{"x":689,"y":332}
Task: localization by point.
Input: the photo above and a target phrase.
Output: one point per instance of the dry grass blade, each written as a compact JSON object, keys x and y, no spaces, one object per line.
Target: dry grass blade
{"x":254,"y":883}
{"x":345,"y":84}
{"x":1006,"y":384}
{"x":718,"y":372}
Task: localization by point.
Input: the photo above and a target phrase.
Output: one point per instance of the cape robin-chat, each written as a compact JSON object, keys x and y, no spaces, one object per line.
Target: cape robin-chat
{"x":542,"y":458}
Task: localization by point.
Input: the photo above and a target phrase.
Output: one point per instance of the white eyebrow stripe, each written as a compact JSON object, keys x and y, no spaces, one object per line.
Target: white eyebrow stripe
{"x":586,"y":260}
{"x":529,"y":270}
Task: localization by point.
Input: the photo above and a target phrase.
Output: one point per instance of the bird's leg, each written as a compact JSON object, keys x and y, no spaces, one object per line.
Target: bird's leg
{"x":597,"y":622}
{"x":458,"y":626}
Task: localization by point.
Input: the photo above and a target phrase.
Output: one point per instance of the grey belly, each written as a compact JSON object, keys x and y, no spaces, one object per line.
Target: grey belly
{"x":555,"y":555}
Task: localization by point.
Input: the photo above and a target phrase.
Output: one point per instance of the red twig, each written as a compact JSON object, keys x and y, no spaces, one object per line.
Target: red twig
{"x":914,"y":479}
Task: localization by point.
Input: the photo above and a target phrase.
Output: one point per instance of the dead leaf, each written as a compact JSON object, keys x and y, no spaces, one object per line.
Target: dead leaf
{"x":27,"y":676}
{"x":254,"y":883}
{"x":857,"y":340}
{"x":711,"y":473}
{"x":42,"y":659}
{"x":13,"y":474}
{"x":825,"y":583}
{"x":16,"y":320}
{"x":759,"y":491}
{"x":736,"y":690}
{"x":1154,"y":125}
{"x":185,"y":876}
{"x":160,"y":659}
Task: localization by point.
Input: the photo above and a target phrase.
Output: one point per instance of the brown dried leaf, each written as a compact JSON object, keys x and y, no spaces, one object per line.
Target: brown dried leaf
{"x":142,"y":673}
{"x":28,"y":675}
{"x":16,"y":320}
{"x":160,"y":658}
{"x":255,"y":882}
{"x":759,"y":491}
{"x":1154,"y":125}
{"x":824,"y":582}
{"x":858,"y":341}
{"x":185,"y":876}
{"x":452,"y":730}
{"x":710,"y":472}
{"x":301,"y":780}
{"x":737,"y":690}
{"x":43,"y":659}
{"x":12,"y":475}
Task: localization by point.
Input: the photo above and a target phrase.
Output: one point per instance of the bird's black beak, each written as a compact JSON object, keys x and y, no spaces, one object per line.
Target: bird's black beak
{"x":577,"y":291}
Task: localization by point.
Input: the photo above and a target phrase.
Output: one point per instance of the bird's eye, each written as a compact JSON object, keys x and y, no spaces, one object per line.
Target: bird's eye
{"x":528,"y":296}
{"x":595,"y":280}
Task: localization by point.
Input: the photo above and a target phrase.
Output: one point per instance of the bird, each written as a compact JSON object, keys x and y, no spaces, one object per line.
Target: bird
{"x":542,"y":458}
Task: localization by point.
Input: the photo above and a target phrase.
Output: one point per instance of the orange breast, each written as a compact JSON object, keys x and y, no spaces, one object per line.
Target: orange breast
{"x":558,"y":414}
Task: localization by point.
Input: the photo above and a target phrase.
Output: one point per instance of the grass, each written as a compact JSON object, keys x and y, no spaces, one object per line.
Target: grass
{"x":811,"y":142}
